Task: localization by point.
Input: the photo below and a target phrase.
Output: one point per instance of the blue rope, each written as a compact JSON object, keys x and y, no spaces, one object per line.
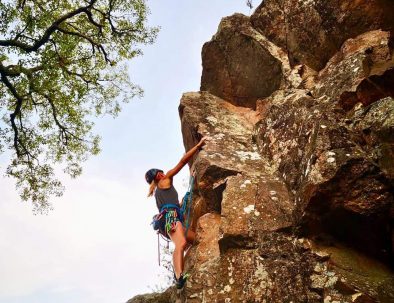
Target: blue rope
{"x":187,"y":203}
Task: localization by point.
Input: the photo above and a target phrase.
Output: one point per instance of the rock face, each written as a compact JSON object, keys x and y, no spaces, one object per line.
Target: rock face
{"x":339,"y":188}
{"x":240,"y":65}
{"x":294,"y":198}
{"x":312,"y":31}
{"x":362,"y":71}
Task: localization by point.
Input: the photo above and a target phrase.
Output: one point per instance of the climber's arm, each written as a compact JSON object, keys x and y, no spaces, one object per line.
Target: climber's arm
{"x":185,"y":159}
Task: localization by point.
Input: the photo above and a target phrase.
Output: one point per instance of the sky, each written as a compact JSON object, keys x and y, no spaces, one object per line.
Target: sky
{"x":97,"y":245}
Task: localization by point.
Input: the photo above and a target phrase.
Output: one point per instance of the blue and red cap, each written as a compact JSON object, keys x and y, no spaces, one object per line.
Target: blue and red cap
{"x":151,"y":174}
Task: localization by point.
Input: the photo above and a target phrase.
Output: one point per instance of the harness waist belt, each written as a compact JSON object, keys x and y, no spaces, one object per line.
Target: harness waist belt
{"x":165,"y":206}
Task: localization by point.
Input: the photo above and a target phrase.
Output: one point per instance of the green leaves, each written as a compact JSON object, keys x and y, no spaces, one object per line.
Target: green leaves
{"x":62,"y":63}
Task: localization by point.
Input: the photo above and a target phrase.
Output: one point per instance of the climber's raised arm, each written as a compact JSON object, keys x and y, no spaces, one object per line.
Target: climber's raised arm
{"x":185,"y":159}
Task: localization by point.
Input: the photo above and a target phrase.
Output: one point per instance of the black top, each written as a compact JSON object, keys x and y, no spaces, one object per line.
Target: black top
{"x":166,"y":196}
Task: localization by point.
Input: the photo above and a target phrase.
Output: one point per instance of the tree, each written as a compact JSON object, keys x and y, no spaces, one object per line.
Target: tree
{"x":62,"y":63}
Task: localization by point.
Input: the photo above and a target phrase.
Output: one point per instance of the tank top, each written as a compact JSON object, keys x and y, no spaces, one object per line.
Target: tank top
{"x":166,"y":196}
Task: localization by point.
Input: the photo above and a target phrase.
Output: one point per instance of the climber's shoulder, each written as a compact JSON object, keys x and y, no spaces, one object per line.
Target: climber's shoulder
{"x":165,"y":183}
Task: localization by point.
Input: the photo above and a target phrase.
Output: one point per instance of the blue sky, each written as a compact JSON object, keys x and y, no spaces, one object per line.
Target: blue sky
{"x":97,"y":244}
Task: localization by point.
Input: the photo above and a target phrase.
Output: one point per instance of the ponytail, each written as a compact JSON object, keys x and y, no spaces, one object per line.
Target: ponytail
{"x":152,"y":188}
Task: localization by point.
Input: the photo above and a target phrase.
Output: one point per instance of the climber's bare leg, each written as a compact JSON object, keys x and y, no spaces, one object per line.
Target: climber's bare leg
{"x":178,"y":237}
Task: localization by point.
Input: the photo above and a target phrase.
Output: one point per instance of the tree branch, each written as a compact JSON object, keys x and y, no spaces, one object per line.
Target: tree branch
{"x":48,"y":32}
{"x":64,"y":130}
{"x":16,"y":114}
{"x":21,"y":4}
{"x":94,"y":44}
{"x":17,"y":70}
{"x":19,"y":101}
{"x":90,"y":17}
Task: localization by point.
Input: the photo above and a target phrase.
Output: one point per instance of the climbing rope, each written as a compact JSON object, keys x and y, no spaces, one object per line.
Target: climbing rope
{"x":187,"y":203}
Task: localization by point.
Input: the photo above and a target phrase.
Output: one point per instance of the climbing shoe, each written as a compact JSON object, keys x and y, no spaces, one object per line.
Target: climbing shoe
{"x":179,"y":283}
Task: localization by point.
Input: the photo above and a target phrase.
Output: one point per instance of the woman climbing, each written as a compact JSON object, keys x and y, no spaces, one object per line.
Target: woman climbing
{"x":161,"y":186}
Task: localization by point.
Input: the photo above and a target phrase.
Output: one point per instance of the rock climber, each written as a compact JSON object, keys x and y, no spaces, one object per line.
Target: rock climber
{"x":170,"y":223}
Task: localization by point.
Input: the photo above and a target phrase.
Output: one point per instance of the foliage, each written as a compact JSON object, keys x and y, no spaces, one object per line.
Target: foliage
{"x":62,"y":63}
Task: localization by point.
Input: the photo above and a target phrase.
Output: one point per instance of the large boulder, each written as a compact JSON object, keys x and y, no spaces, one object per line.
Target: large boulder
{"x":233,"y":179}
{"x":168,"y":296}
{"x":230,"y":150}
{"x":312,"y":31}
{"x":240,"y":65}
